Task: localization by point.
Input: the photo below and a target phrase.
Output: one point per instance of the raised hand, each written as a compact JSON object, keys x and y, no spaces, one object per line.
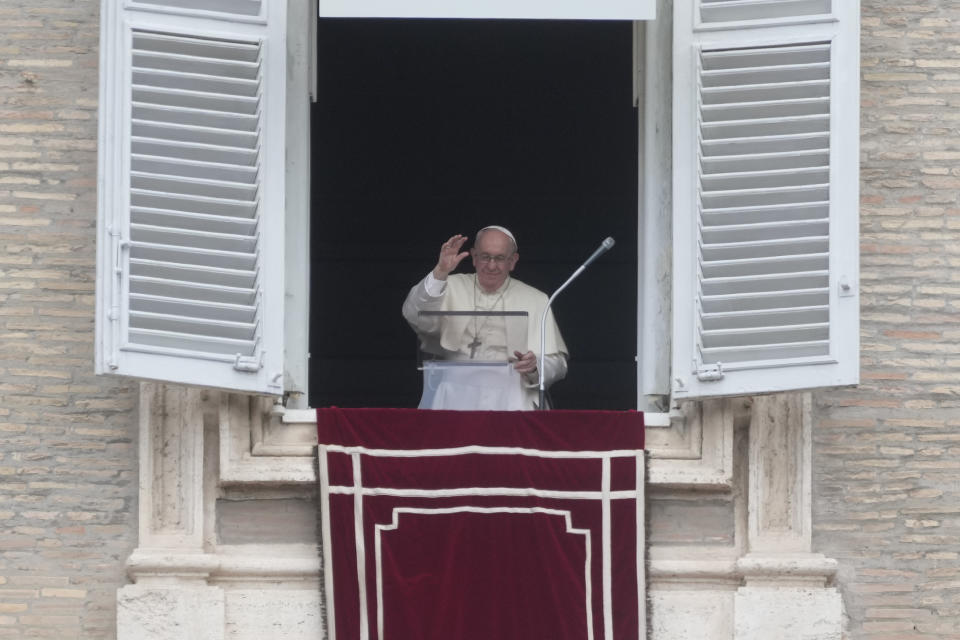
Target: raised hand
{"x":450,"y":256}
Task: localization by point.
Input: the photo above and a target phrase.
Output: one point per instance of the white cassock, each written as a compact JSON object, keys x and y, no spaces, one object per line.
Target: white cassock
{"x":483,"y":339}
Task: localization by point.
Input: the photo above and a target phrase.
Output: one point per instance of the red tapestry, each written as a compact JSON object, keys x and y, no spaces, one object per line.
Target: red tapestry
{"x":460,"y":525}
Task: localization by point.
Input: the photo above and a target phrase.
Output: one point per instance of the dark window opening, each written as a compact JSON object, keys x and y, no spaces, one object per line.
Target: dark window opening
{"x":426,"y":128}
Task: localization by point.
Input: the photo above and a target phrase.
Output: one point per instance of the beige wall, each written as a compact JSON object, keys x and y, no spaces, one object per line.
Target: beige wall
{"x":887,"y":455}
{"x":68,"y":469}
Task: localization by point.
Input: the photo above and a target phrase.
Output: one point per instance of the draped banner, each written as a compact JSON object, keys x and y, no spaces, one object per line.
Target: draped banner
{"x":460,"y":525}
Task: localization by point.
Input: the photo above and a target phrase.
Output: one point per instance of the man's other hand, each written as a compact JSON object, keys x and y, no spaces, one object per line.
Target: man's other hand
{"x":526,"y":362}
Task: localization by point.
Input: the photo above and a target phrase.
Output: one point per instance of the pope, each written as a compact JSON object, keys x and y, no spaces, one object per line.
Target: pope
{"x":491,"y":289}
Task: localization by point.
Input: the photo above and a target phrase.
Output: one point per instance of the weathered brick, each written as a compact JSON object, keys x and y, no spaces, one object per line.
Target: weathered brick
{"x":52,"y":592}
{"x":48,"y":133}
{"x":909,"y":89}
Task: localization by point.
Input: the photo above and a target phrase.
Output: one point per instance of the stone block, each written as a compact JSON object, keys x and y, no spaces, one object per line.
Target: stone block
{"x":170,"y":613}
{"x":692,"y":614}
{"x":277,"y":614}
{"x":787,"y":613}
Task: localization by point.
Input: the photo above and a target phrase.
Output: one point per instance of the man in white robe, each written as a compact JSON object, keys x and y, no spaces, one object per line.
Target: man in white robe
{"x":470,"y":339}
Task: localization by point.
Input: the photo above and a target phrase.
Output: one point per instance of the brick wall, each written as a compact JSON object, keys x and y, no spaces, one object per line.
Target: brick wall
{"x":887,"y":455}
{"x":68,"y":477}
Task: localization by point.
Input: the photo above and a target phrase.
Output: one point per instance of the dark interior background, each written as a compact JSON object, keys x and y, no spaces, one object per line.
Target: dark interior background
{"x":427,"y":128}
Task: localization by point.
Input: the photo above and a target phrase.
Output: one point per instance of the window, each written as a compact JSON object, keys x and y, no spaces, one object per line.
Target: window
{"x":199,"y":218}
{"x":425,"y":128}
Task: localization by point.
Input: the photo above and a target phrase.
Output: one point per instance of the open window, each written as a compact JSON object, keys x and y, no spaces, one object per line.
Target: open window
{"x":203,"y":213}
{"x":426,"y":128}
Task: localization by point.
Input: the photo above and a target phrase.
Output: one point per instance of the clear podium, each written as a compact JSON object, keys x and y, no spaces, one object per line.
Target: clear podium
{"x":467,"y":359}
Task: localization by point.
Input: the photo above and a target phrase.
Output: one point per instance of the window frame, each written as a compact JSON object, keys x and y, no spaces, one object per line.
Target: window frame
{"x":491,"y":9}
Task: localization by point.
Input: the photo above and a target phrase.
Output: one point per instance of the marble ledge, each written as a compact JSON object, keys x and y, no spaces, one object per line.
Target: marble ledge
{"x":795,"y":569}
{"x":254,"y":564}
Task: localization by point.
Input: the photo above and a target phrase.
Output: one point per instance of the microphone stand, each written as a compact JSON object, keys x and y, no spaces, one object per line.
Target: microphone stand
{"x":605,"y":246}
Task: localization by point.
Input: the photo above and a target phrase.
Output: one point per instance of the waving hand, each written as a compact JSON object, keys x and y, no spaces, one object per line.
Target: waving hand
{"x":450,"y":256}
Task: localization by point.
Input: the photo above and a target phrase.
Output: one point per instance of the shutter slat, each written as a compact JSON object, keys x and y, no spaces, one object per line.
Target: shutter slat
{"x":193,"y":326}
{"x":766,"y":161}
{"x":194,"y":221}
{"x":767,"y":283}
{"x":765,"y":352}
{"x":179,"y":185}
{"x":764,"y":248}
{"x":193,"y":204}
{"x":231,"y":278}
{"x":765,"y":318}
{"x":765,"y":92}
{"x":200,"y":83}
{"x":193,"y":169}
{"x":193,"y":257}
{"x":763,"y":127}
{"x":765,"y":300}
{"x":189,"y":133}
{"x":190,"y":116}
{"x":745,"y":180}
{"x":189,"y":344}
{"x":765,"y":144}
{"x":750,"y":77}
{"x":731,"y":230}
{"x":193,"y":239}
{"x":200,"y":47}
{"x":230,"y":7}
{"x":765,"y":213}
{"x":755,"y":336}
{"x":765,"y":109}
{"x":188,"y":99}
{"x":760,"y":266}
{"x":717,"y":11}
{"x":193,"y":151}
{"x":786,"y":195}
{"x":163,"y":287}
{"x":193,"y":308}
{"x":194,"y":65}
{"x":766,"y":57}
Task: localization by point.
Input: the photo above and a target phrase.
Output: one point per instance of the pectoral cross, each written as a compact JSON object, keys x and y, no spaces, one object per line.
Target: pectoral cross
{"x":473,"y":346}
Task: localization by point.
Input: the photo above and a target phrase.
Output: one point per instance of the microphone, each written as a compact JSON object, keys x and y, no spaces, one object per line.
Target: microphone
{"x":605,"y":246}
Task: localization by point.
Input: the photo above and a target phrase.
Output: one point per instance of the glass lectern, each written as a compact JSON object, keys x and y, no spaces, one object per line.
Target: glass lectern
{"x":467,"y":359}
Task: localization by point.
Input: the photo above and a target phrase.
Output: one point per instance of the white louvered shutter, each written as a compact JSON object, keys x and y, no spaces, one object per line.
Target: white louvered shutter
{"x":766,"y":177}
{"x":191,"y":211}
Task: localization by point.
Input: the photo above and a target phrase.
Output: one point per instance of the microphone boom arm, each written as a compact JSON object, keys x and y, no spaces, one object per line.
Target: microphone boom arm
{"x":541,"y":359}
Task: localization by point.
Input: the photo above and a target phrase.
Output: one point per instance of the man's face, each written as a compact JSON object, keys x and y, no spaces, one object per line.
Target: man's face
{"x":493,"y":258}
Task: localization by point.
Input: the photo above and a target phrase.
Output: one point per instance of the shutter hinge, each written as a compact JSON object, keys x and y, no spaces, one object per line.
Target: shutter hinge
{"x":113,"y":313}
{"x":120,"y":246}
{"x":276,"y":382}
{"x":248,"y":363}
{"x":710,"y":372}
